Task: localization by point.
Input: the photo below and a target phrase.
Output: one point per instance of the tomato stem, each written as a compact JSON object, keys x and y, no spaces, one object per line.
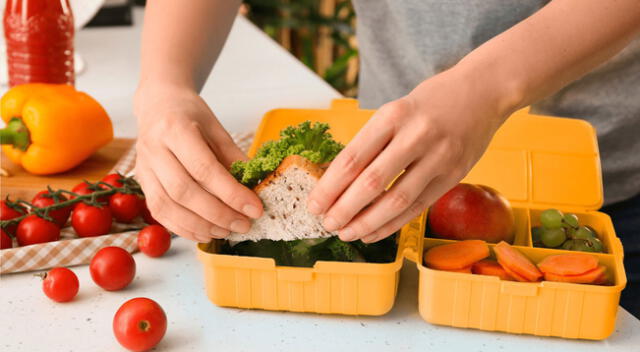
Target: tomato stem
{"x":144,"y":325}
{"x":129,"y":186}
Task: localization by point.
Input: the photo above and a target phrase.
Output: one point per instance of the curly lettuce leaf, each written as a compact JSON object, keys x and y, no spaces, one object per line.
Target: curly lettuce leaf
{"x":310,"y":141}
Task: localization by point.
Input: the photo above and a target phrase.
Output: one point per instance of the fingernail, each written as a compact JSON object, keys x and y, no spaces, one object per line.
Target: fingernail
{"x":330,"y":224}
{"x":347,"y":235}
{"x":251,"y":211}
{"x":240,"y":226}
{"x":218,"y":233}
{"x":370,"y":238}
{"x":314,"y":207}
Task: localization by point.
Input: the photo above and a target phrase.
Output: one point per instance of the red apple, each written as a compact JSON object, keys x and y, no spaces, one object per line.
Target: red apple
{"x":472,"y":212}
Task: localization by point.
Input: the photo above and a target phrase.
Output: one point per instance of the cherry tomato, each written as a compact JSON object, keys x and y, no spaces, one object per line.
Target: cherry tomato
{"x":146,"y":214}
{"x":8,"y":212}
{"x":112,"y":179}
{"x":124,"y":207}
{"x":88,"y":220}
{"x":60,"y":216}
{"x":5,"y":240}
{"x":112,"y":268}
{"x":83,"y":189}
{"x":154,"y":240}
{"x":139,"y":324}
{"x":34,"y":229}
{"x":60,"y":284}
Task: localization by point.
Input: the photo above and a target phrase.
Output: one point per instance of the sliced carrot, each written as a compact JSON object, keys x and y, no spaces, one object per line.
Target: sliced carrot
{"x":466,"y":270}
{"x":456,"y":255}
{"x":515,"y":276}
{"x":586,"y":278}
{"x":491,"y":268}
{"x":568,"y":264}
{"x":603,"y":279}
{"x":510,"y":258}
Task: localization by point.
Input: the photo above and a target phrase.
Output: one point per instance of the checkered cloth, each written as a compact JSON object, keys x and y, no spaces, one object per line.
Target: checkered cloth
{"x":71,"y":250}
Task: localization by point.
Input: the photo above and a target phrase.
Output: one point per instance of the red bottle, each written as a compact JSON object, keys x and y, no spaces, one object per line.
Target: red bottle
{"x":39,"y":39}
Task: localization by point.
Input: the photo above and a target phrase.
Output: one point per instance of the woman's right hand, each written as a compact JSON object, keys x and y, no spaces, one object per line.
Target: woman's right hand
{"x":183,"y":156}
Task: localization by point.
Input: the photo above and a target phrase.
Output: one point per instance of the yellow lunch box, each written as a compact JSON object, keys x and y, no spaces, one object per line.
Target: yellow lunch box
{"x":537,"y":162}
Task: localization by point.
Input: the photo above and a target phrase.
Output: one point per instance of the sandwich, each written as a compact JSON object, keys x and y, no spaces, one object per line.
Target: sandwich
{"x":283,"y":173}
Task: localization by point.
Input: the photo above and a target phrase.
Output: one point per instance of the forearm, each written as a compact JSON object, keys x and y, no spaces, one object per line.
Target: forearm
{"x":181,"y":40}
{"x":558,"y":44}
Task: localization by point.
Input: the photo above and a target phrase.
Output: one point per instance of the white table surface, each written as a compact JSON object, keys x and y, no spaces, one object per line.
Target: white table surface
{"x":253,"y":76}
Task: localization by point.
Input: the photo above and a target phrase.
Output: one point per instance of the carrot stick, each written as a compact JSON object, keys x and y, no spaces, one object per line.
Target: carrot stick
{"x":589,"y":277}
{"x":515,"y":262}
{"x":458,"y":255}
{"x":568,"y":264}
{"x":515,"y":276}
{"x":491,"y":268}
{"x":603,"y":279}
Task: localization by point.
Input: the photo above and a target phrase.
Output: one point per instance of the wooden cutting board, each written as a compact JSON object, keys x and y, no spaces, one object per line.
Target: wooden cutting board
{"x":21,"y":184}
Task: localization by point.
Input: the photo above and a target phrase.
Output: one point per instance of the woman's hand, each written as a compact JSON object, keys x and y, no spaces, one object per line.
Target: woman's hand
{"x":436,"y":134}
{"x":183,"y":155}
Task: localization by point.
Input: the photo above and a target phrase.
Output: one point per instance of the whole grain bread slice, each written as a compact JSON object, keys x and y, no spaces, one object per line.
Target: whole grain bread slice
{"x":284,"y":196}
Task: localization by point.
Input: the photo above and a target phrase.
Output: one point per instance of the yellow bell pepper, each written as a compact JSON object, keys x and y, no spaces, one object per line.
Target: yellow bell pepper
{"x":51,"y":128}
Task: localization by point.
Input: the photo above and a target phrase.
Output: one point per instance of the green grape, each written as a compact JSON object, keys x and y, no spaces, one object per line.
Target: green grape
{"x":569,"y":245}
{"x":553,"y":238}
{"x":579,"y":245}
{"x":597,"y":245}
{"x":551,"y":218}
{"x":536,"y":236}
{"x":570,"y":221}
{"x":586,"y":246}
{"x":583,"y":233}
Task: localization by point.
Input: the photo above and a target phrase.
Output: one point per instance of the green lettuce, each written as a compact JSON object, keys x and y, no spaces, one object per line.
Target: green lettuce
{"x":305,"y":252}
{"x":310,"y":141}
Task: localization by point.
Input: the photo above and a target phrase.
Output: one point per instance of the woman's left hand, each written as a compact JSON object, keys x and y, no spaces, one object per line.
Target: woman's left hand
{"x":435,"y":134}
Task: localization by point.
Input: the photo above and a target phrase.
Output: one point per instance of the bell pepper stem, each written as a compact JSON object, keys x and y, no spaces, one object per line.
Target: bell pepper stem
{"x":16,"y":134}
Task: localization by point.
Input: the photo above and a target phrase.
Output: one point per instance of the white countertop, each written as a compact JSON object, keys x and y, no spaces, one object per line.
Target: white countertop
{"x":31,"y":322}
{"x":252,"y":76}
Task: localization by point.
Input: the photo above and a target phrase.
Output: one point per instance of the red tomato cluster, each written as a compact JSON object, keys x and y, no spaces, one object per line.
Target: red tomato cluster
{"x":140,"y":323}
{"x":87,"y":219}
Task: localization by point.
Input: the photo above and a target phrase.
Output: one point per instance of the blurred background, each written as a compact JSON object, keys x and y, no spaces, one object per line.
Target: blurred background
{"x":320,"y":33}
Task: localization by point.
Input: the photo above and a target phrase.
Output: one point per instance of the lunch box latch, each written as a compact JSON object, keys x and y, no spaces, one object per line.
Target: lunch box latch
{"x":411,"y":240}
